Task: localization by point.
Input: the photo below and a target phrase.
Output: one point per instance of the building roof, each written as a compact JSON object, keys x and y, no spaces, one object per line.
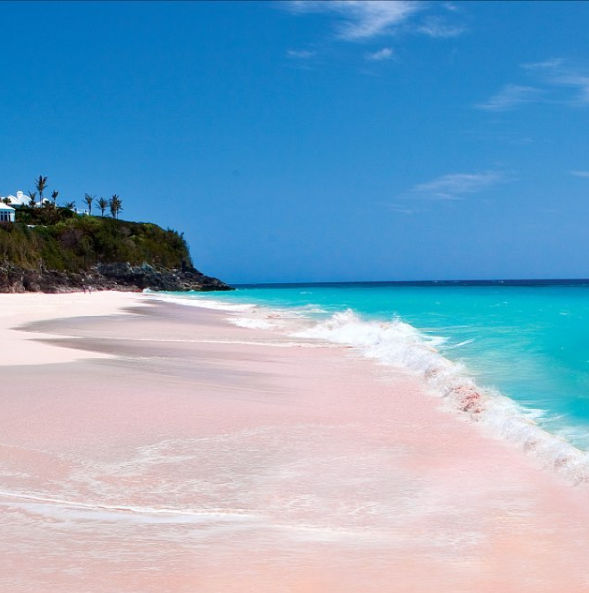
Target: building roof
{"x":5,"y":207}
{"x":19,"y":200}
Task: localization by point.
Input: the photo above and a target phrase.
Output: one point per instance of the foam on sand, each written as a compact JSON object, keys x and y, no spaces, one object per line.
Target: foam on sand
{"x":399,"y":344}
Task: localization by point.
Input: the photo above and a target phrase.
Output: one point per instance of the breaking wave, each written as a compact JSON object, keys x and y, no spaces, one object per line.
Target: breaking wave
{"x":399,"y":344}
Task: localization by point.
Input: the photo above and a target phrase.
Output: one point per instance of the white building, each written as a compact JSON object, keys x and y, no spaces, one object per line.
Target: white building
{"x":6,"y":213}
{"x":19,"y":200}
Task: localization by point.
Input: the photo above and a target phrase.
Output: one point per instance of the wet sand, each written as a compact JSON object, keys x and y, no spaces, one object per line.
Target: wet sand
{"x":152,"y":447}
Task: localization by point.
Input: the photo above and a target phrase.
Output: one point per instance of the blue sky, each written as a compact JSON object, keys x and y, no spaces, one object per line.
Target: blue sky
{"x":315,"y":141}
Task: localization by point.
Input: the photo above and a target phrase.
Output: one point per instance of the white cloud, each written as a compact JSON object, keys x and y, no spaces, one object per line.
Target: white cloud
{"x":578,"y":82}
{"x":580,"y":173}
{"x":557,"y":81}
{"x":300,"y":54}
{"x":368,"y":21}
{"x":455,"y":186}
{"x":510,"y":96}
{"x":401,"y":209}
{"x":559,"y":73}
{"x":437,"y":27}
{"x":362,"y":19}
{"x":386,"y":53}
{"x":546,"y":64}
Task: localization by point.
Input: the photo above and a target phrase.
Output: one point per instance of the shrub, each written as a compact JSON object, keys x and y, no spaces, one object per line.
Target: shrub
{"x":75,"y":242}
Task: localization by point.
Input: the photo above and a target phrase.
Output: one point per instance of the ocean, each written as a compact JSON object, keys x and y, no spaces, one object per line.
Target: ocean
{"x":523,"y":347}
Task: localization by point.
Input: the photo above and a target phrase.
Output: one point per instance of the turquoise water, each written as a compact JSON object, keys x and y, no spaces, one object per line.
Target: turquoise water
{"x":530,"y":342}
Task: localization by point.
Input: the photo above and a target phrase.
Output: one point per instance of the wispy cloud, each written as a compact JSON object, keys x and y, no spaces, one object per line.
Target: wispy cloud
{"x":559,"y":73}
{"x":361,"y":19}
{"x":546,"y":64}
{"x":402,"y":209}
{"x":300,"y":54}
{"x":365,"y":20}
{"x":555,"y":80}
{"x":435,"y":26}
{"x":455,"y":186}
{"x":386,"y":53}
{"x":580,"y":173}
{"x":578,"y":82}
{"x":509,"y":97}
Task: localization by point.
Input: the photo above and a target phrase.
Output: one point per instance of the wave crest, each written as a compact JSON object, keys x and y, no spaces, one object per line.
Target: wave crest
{"x":399,"y":344}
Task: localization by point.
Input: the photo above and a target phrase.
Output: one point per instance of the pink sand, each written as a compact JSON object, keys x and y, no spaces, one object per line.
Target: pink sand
{"x":161,"y":454}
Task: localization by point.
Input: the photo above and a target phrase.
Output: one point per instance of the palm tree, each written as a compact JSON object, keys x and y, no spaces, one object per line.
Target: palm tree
{"x":32,"y":195}
{"x":41,"y":184}
{"x":54,"y":195}
{"x":103,"y":205}
{"x":115,"y":206}
{"x":89,"y":199}
{"x":70,"y":205}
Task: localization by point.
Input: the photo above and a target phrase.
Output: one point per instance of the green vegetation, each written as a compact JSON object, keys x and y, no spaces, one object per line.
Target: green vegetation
{"x":41,"y":184}
{"x":103,"y":205}
{"x":47,"y":215}
{"x":51,"y":248}
{"x":89,"y":199}
{"x":116,"y":205}
{"x":51,"y":237}
{"x":65,"y":241}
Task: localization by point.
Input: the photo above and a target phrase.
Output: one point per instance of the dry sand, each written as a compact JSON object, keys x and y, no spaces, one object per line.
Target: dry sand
{"x":16,"y":310}
{"x":165,"y":450}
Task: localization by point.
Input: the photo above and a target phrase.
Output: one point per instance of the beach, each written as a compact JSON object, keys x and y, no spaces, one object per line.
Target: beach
{"x":148,"y":446}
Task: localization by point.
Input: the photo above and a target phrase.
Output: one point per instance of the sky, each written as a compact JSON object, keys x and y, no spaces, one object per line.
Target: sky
{"x":314,"y":141}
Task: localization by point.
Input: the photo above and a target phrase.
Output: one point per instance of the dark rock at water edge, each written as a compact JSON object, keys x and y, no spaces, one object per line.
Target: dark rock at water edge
{"x":112,"y":276}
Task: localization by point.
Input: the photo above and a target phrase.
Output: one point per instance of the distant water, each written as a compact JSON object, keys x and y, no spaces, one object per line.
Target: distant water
{"x":526,"y":343}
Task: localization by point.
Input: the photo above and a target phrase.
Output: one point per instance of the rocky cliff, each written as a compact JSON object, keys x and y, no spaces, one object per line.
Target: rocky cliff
{"x":117,"y":276}
{"x":103,"y":253}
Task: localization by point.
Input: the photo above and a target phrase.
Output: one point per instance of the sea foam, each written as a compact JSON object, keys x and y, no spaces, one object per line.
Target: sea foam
{"x":398,"y":344}
{"x":189,"y":301}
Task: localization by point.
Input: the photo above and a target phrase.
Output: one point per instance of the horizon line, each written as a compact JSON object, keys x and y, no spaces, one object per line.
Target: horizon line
{"x":482,"y":281}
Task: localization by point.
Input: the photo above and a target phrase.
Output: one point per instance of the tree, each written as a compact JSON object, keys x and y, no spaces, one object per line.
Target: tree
{"x":103,"y":205}
{"x":115,"y":205}
{"x":41,"y":184}
{"x":70,"y":205}
{"x":54,"y":195}
{"x":32,"y":195}
{"x":89,"y":199}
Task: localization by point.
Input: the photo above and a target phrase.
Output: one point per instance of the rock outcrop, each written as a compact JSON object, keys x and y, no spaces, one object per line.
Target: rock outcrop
{"x":111,"y":276}
{"x":67,"y":252}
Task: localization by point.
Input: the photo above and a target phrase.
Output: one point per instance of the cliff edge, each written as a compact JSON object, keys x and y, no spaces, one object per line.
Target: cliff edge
{"x":105,"y":253}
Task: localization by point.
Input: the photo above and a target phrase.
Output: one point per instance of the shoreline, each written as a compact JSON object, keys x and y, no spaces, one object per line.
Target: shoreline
{"x":256,"y":461}
{"x":498,"y":415}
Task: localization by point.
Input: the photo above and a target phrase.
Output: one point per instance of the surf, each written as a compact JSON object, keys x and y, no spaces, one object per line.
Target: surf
{"x":442,"y":350}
